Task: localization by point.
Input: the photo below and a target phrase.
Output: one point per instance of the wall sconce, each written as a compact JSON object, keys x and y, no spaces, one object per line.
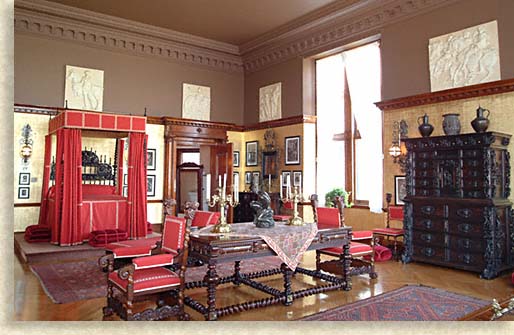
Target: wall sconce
{"x":398,"y":150}
{"x":26,"y":144}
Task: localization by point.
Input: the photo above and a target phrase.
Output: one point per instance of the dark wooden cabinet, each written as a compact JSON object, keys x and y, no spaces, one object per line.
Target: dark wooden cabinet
{"x":457,"y":212}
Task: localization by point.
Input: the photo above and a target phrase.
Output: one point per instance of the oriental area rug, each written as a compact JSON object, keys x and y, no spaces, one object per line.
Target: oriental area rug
{"x":408,"y":303}
{"x":74,"y":281}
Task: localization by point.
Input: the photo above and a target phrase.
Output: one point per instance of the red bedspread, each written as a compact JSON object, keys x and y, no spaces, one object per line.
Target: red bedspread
{"x":100,"y":209}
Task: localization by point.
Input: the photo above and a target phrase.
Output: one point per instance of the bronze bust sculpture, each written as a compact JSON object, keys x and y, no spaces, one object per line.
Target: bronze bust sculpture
{"x":263,"y":217}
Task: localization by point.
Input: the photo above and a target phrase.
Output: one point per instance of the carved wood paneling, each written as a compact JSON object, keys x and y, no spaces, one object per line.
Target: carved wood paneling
{"x":473,"y":91}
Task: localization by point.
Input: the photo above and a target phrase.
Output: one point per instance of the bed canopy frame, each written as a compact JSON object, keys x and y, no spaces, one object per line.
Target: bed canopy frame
{"x":77,"y":203}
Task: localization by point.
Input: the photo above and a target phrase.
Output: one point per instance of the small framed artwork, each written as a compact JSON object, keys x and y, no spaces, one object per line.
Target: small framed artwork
{"x":400,"y":190}
{"x":23,"y":192}
{"x":125,"y":191}
{"x":125,"y":179}
{"x":251,"y":153}
{"x":151,"y":156}
{"x":292,"y":149}
{"x":24,"y":178}
{"x":150,"y":191}
{"x":236,"y":158}
{"x":285,"y":175}
{"x":297,"y":178}
{"x":248,"y":177}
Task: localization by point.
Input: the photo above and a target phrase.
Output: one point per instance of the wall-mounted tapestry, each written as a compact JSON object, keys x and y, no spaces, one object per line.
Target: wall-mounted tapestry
{"x":466,"y":57}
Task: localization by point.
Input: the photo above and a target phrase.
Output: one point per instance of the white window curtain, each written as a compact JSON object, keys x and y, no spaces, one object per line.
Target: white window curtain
{"x":330,"y":121}
{"x":363,"y":70}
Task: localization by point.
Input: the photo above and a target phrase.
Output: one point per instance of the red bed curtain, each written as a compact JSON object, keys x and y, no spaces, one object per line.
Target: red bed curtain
{"x":137,"y":185}
{"x":46,"y":178}
{"x":66,"y":223}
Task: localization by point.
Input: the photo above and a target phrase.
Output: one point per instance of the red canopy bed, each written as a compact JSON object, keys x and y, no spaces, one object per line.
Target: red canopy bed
{"x":87,"y":195}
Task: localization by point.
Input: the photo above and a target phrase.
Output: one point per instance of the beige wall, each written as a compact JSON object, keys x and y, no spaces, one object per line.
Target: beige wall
{"x":289,"y":74}
{"x":131,"y":83}
{"x":404,"y":49}
{"x":404,"y":45}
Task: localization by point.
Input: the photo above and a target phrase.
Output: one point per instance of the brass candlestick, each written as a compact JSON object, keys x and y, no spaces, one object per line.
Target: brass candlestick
{"x":224,"y":201}
{"x":295,"y":197}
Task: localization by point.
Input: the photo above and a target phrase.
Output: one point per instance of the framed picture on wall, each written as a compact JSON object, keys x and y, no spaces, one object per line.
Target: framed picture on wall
{"x":151,"y":155}
{"x":125,"y":191}
{"x":297,"y":178}
{"x":292,"y":149}
{"x":24,"y":178}
{"x":248,"y":177}
{"x":150,"y":191}
{"x":285,"y":175}
{"x":251,"y":153}
{"x":236,"y":158}
{"x":400,"y":190}
{"x":23,"y":192}
{"x":125,"y":179}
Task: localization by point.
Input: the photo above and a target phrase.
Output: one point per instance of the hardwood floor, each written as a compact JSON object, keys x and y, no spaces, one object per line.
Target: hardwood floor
{"x":31,"y":302}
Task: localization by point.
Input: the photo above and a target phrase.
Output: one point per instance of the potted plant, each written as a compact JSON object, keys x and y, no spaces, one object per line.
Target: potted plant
{"x":338,"y":192}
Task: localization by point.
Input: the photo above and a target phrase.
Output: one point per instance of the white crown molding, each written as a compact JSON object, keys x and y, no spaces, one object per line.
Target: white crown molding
{"x":336,"y":28}
{"x":62,"y":22}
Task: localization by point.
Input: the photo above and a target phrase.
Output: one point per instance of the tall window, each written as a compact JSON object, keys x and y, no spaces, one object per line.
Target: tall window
{"x":349,"y":128}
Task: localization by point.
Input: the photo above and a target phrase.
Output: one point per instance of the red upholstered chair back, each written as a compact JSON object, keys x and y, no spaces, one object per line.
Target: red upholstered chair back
{"x":396,"y":213}
{"x":328,"y":217}
{"x":288,"y":205}
{"x":205,"y":218}
{"x":173,"y":234}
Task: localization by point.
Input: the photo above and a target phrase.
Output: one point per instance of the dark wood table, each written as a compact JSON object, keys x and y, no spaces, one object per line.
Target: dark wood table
{"x":213,"y":249}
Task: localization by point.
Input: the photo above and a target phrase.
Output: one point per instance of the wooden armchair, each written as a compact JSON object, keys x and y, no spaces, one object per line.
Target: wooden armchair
{"x":124,"y":251}
{"x":362,"y":246}
{"x":150,"y":277}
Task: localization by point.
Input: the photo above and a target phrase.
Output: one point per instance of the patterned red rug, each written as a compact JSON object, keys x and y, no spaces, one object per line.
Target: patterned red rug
{"x":74,"y":281}
{"x":408,"y":303}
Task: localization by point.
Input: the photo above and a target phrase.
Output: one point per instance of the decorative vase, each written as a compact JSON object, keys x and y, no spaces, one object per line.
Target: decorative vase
{"x":481,"y":122}
{"x":425,"y":128}
{"x":451,"y":124}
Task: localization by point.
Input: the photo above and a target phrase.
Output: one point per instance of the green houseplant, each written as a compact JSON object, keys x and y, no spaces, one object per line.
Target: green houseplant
{"x":338,"y":192}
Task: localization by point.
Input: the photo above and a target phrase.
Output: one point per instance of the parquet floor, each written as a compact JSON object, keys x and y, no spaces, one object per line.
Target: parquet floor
{"x":31,"y":302}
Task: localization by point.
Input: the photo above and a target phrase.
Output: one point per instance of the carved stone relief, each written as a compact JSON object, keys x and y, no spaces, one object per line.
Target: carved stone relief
{"x":196,"y":102}
{"x":84,"y":88}
{"x":466,"y":57}
{"x":270,"y":102}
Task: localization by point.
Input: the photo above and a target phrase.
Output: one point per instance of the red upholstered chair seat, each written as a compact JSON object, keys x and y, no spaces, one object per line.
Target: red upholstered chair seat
{"x":37,"y":233}
{"x":102,"y":237}
{"x":382,"y":253}
{"x":133,"y":248}
{"x":205,"y":218}
{"x":389,"y":231}
{"x":147,"y":279}
{"x":362,"y":235}
{"x":356,"y":249}
{"x":281,"y":217}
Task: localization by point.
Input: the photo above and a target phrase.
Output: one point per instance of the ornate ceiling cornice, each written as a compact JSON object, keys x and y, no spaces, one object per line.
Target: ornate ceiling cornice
{"x":62,"y":22}
{"x":331,"y":26}
{"x":336,"y":28}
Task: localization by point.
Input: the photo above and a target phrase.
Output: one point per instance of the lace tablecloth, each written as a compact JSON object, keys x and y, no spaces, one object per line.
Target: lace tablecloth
{"x":289,"y":242}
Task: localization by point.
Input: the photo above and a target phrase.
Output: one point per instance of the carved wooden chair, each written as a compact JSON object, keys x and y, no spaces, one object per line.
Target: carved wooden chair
{"x":393,"y":213}
{"x":124,"y":251}
{"x":362,"y":246}
{"x":151,"y":277}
